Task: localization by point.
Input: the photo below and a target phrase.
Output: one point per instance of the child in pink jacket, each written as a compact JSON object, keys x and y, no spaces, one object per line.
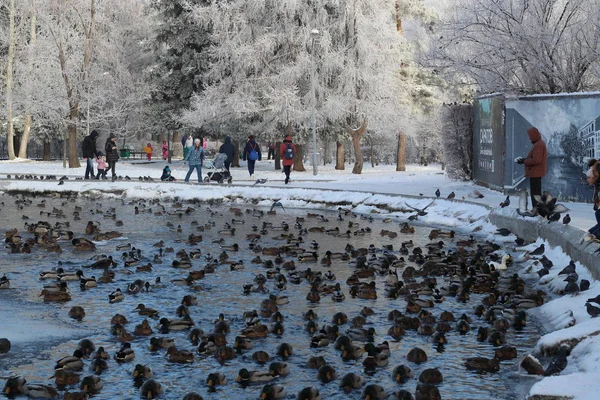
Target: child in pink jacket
{"x":101,"y":166}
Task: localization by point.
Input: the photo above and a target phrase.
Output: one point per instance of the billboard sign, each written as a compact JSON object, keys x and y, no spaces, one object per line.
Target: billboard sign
{"x":488,"y":141}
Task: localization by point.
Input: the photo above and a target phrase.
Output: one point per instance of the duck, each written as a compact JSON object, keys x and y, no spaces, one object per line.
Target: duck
{"x":125,"y":353}
{"x":166,"y":325}
{"x":502,"y":266}
{"x":361,"y":334}
{"x":374,"y":391}
{"x":279,"y":369}
{"x":179,"y":356}
{"x":351,"y":381}
{"x":161,"y":343}
{"x":271,"y":392}
{"x":482,"y":364}
{"x":65,"y":377}
{"x":151,"y":389}
{"x":416,"y":355}
{"x":309,"y":393}
{"x":77,"y":313}
{"x":143,"y":310}
{"x":246,"y":377}
{"x":143,"y":329}
{"x":285,"y":350}
{"x":116,"y":296}
{"x":224,"y":353}
{"x":91,"y":384}
{"x":142,"y":372}
{"x":17,"y":385}
{"x":215,"y":379}
{"x":326,"y":373}
{"x":431,"y":376}
{"x":72,"y":363}
{"x":374,"y":359}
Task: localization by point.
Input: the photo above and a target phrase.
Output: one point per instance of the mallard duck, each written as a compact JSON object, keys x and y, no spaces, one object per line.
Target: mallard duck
{"x":310,"y":315}
{"x":284,"y":350}
{"x":242,"y":343}
{"x":215,"y":379}
{"x":125,"y":353}
{"x":431,"y":376}
{"x":179,"y":356}
{"x":352,"y":353}
{"x":416,"y":355}
{"x":374,"y":358}
{"x":315,"y":362}
{"x":270,"y":392}
{"x":160,"y":343}
{"x":246,"y":377}
{"x":143,"y":310}
{"x":351,"y":381}
{"x":17,"y":385}
{"x":65,"y":377}
{"x":143,"y":329}
{"x":401,"y":374}
{"x":5,"y":282}
{"x":482,"y":364}
{"x":195,"y":336}
{"x":55,"y":297}
{"x":4,"y":345}
{"x":224,"y":353}
{"x":166,"y":325}
{"x":206,"y":347}
{"x":77,"y":313}
{"x":279,"y":369}
{"x":116,"y":296}
{"x":326,"y":373}
{"x":361,"y":334}
{"x":373,"y":391}
{"x":91,"y":384}
{"x":151,"y":389}
{"x":505,"y":353}
{"x":98,"y":365}
{"x":261,"y":357}
{"x":142,"y":371}
{"x":119,"y":319}
{"x":339,"y":318}
{"x":73,"y":363}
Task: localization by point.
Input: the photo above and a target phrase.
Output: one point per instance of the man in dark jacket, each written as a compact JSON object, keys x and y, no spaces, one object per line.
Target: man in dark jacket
{"x":249,"y":149}
{"x":535,"y":163}
{"x":227,"y":148}
{"x":88,"y":148}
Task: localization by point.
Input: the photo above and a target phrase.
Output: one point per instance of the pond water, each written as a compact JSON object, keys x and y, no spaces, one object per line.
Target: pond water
{"x":42,"y":332}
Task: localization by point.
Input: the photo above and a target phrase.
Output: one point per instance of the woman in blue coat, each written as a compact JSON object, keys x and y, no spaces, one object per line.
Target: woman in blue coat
{"x":251,"y":153}
{"x":194,"y":158}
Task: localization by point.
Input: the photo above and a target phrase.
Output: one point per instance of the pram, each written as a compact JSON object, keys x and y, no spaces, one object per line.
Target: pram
{"x":215,"y":169}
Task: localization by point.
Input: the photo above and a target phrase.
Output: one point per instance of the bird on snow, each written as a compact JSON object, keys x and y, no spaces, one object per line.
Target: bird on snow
{"x":593,"y":311}
{"x":566,"y":219}
{"x":559,"y":362}
{"x":506,"y":202}
{"x":260,"y":181}
{"x":451,"y":196}
{"x":553,"y":217}
{"x":569,"y":269}
{"x":476,"y":194}
{"x":503,"y":232}
{"x":538,"y":251}
{"x":437,"y":193}
{"x":594,"y":299}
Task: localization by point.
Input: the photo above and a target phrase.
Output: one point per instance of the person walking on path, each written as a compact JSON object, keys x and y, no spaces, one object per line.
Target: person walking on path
{"x":88,"y":148}
{"x":287,"y":151}
{"x":165,"y":149}
{"x":535,"y":163}
{"x":227,"y":148}
{"x":194,"y":159}
{"x":112,"y":155}
{"x":252,"y":154}
{"x":271,"y":153}
{"x":189,"y":143}
{"x":148,"y":150}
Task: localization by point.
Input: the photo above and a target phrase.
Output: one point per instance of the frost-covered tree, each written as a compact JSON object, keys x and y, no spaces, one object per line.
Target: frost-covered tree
{"x":528,"y":46}
{"x":180,"y":50}
{"x":262,"y":60}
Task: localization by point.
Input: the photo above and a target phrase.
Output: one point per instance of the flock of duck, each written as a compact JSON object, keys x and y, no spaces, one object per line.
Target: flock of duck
{"x":290,"y":258}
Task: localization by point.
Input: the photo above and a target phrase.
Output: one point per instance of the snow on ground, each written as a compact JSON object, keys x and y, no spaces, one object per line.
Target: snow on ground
{"x":384,"y":193}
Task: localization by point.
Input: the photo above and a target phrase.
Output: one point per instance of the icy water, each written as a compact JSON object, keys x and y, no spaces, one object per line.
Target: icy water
{"x":43,"y":333}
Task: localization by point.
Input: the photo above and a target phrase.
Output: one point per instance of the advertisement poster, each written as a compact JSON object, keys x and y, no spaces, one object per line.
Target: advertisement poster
{"x":570,"y":126}
{"x":488,"y":141}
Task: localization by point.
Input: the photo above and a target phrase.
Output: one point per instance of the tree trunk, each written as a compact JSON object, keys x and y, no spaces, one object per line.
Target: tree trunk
{"x":356,"y":135}
{"x":9,"y":80}
{"x":72,"y":136}
{"x":64,"y":152}
{"x":398,"y":18}
{"x":27,"y":130}
{"x":277,"y":156}
{"x":298,"y":164}
{"x":372,"y":155}
{"x":236,"y":154}
{"x":339,"y":156}
{"x":325,"y":155}
{"x":401,"y":156}
{"x":46,"y":151}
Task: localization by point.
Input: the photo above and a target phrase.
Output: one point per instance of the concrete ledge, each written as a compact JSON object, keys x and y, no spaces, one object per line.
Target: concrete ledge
{"x":556,"y":233}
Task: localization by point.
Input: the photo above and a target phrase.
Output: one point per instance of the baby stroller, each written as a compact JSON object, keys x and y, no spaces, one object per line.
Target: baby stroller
{"x":215,"y":169}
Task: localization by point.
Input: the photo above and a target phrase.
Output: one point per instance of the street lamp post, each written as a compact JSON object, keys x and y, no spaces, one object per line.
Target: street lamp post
{"x":314,"y":34}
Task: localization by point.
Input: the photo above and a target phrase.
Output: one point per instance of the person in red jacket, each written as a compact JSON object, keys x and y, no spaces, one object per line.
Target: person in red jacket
{"x":535,"y":163}
{"x":287,"y":151}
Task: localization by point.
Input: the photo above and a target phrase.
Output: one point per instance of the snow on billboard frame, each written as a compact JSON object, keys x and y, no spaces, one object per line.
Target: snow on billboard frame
{"x":569,"y":124}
